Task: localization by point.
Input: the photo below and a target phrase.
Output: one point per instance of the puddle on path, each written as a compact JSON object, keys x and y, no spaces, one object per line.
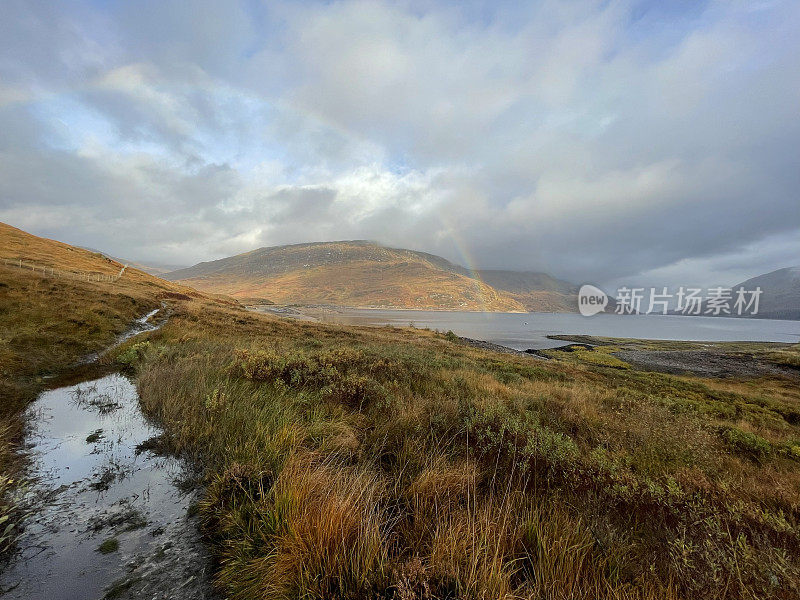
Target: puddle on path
{"x":90,"y":485}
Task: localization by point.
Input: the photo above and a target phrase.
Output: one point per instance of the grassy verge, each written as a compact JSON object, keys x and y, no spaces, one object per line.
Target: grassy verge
{"x":346,"y":463}
{"x":48,"y":323}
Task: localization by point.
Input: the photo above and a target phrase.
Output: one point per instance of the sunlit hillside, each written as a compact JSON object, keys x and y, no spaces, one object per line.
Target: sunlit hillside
{"x":354,"y":273}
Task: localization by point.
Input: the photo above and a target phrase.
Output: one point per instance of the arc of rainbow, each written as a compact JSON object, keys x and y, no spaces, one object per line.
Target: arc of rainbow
{"x":467,"y":260}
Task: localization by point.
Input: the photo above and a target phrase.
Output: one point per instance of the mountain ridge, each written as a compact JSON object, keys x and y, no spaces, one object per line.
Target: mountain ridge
{"x":364,"y":273}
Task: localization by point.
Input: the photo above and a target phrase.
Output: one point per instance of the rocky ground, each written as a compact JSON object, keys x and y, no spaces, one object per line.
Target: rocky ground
{"x":704,"y":359}
{"x":704,"y":363}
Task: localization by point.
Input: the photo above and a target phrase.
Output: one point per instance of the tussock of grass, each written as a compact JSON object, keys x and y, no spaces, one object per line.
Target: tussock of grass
{"x":599,"y":355}
{"x":789,"y":357}
{"x":323,"y":525}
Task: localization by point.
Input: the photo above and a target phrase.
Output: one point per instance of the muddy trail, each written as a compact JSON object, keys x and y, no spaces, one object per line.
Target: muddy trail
{"x":109,"y":518}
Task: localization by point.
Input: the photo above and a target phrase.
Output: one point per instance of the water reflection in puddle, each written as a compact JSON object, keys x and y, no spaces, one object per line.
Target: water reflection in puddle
{"x":92,"y":485}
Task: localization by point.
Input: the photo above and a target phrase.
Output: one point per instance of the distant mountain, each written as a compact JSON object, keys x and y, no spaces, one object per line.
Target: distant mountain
{"x":361,"y":273}
{"x":780,"y":293}
{"x":535,"y":291}
{"x":779,"y":299}
{"x":152,"y":268}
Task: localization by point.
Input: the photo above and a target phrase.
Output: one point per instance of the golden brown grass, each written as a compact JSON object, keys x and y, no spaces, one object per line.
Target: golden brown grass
{"x":354,"y":462}
{"x":323,"y":523}
{"x":404,"y":284}
{"x":453,"y":472}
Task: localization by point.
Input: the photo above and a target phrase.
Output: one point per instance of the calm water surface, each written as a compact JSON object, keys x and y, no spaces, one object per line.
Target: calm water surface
{"x":530,"y":330}
{"x":90,"y":483}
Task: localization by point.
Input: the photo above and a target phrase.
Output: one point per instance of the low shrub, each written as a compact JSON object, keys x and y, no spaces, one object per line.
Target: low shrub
{"x":354,"y":391}
{"x":746,"y":443}
{"x":295,"y":369}
{"x":131,"y":355}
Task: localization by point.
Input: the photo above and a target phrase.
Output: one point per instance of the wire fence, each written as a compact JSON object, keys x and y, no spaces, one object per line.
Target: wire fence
{"x":46,"y":271}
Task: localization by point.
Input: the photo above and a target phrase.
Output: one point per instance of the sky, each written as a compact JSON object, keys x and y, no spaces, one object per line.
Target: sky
{"x":653,"y":143}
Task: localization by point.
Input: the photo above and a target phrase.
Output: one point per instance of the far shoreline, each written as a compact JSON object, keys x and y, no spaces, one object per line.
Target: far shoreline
{"x":308,"y":309}
{"x":537,"y":330}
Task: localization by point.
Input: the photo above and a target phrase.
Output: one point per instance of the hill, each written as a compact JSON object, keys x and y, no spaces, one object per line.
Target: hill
{"x":60,"y":303}
{"x":348,"y":273}
{"x":535,"y":291}
{"x":780,"y":297}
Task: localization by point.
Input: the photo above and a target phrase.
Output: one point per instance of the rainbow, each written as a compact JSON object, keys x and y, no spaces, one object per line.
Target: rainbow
{"x":466,"y":260}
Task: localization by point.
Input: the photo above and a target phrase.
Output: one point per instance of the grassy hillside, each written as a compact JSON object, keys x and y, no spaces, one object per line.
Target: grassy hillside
{"x":385,"y":284}
{"x":58,"y":304}
{"x":347,"y":273}
{"x":357,"y":462}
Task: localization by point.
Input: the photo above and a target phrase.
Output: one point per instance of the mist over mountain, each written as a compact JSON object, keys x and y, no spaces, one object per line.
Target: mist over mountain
{"x":780,"y":293}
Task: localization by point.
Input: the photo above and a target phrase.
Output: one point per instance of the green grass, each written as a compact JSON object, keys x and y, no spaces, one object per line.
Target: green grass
{"x":108,"y":546}
{"x":599,"y":356}
{"x":120,"y":588}
{"x":789,"y":357}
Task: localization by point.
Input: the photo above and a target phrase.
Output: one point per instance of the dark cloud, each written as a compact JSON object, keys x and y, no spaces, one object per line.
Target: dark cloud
{"x":597,"y":141}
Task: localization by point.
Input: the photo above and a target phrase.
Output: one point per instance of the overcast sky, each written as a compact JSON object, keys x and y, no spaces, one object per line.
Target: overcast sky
{"x":599,"y":141}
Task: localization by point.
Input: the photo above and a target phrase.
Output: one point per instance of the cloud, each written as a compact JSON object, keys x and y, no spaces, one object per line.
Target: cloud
{"x":595,"y":140}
